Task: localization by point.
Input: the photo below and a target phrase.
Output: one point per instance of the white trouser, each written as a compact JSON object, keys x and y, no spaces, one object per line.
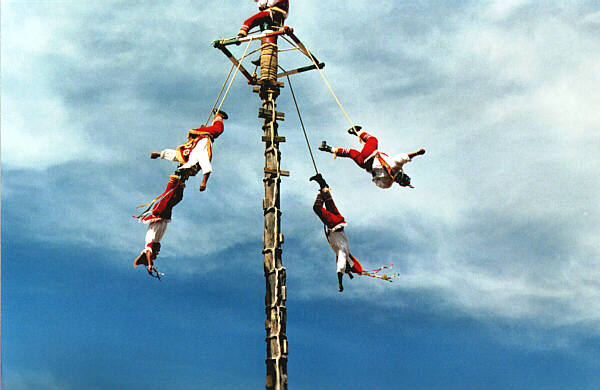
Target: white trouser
{"x":339,"y":243}
{"x":156,"y":230}
{"x":198,"y":155}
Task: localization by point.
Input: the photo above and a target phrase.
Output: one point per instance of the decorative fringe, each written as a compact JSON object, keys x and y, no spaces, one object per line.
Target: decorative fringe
{"x":147,"y":213}
{"x":373,"y":273}
{"x":155,"y":274}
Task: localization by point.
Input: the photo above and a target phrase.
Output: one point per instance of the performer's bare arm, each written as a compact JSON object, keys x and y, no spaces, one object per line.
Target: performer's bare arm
{"x":204,"y":180}
{"x":417,"y":153}
{"x":340,"y":285}
{"x":149,"y":261}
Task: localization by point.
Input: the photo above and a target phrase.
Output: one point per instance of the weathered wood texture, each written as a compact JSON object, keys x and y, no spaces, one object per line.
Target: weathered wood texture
{"x":275,"y":297}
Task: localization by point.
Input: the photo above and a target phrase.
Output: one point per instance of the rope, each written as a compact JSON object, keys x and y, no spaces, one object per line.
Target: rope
{"x":326,"y":83}
{"x":231,"y":82}
{"x":302,"y":123}
{"x":212,"y":109}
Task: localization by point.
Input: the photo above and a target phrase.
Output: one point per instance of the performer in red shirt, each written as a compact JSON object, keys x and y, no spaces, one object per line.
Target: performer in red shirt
{"x":334,"y":231}
{"x":271,"y":11}
{"x":196,"y":153}
{"x":157,"y":216}
{"x":385,"y":169}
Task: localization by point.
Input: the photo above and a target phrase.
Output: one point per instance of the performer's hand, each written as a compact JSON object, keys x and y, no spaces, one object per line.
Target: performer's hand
{"x":204,"y":181}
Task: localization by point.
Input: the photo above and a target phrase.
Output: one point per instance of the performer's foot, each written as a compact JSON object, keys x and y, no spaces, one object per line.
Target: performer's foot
{"x":140,"y":260}
{"x":340,"y":288}
{"x":421,"y":152}
{"x":242,"y":33}
{"x":325,"y":148}
{"x":354,"y":130}
{"x":222,"y":113}
{"x":154,"y":155}
{"x":256,"y":62}
{"x":183,"y":173}
{"x":319,"y":179}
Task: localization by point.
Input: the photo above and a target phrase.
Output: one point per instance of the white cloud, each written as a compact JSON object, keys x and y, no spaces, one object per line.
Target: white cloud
{"x":528,"y":118}
{"x":500,"y":9}
{"x":591,"y":19}
{"x":507,"y":112}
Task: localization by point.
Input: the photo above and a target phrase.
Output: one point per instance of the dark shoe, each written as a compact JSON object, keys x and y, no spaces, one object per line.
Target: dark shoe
{"x":319,"y":179}
{"x":421,"y":152}
{"x":183,"y":173}
{"x":354,"y":130}
{"x":325,"y":148}
{"x":140,"y":260}
{"x":154,"y":155}
{"x":256,"y":62}
{"x":222,"y":113}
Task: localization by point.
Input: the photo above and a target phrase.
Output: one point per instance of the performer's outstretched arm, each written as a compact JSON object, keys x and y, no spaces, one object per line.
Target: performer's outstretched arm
{"x":204,"y":180}
{"x":417,"y":153}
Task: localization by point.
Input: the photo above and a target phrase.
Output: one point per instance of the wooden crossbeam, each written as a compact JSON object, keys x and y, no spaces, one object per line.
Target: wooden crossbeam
{"x":263,"y":113}
{"x":274,"y":172}
{"x":239,"y":40}
{"x":301,"y":47}
{"x":251,"y":78}
{"x":300,"y":70}
{"x":275,"y":139}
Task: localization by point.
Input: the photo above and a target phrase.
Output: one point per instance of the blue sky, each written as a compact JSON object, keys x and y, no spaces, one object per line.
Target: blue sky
{"x":497,"y":246}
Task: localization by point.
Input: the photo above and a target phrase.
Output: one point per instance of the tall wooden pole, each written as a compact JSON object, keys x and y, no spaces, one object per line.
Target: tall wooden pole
{"x":275,"y":324}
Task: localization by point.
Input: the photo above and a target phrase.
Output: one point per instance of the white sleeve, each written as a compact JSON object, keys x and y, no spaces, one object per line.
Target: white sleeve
{"x":399,"y":160}
{"x":199,"y":155}
{"x":271,"y":3}
{"x":262,"y":3}
{"x":169,"y":154}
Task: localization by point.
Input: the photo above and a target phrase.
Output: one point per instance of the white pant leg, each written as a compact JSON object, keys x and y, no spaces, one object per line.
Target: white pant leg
{"x":200,"y":155}
{"x":156,"y":231}
{"x":169,"y":154}
{"x":341,"y":248}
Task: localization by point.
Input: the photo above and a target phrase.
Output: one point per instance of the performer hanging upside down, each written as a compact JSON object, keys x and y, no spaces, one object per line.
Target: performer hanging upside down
{"x":273,"y":12}
{"x":334,"y":231}
{"x":157,"y":216}
{"x":385,"y":169}
{"x":196,"y":153}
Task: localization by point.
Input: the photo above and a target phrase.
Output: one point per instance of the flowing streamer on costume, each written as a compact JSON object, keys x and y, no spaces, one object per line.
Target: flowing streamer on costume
{"x":148,"y":211}
{"x":156,"y":274}
{"x":373,"y":273}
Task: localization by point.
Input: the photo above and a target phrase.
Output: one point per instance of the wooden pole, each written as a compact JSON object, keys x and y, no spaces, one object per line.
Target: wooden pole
{"x":275,"y":296}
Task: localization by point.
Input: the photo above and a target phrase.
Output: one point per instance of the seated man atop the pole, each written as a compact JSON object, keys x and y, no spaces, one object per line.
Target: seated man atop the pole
{"x":385,"y":169}
{"x":334,"y":231}
{"x":157,"y":216}
{"x":196,"y":153}
{"x":273,"y":12}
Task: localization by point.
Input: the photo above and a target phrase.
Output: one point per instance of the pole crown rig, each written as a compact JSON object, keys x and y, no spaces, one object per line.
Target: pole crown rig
{"x":267,"y":33}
